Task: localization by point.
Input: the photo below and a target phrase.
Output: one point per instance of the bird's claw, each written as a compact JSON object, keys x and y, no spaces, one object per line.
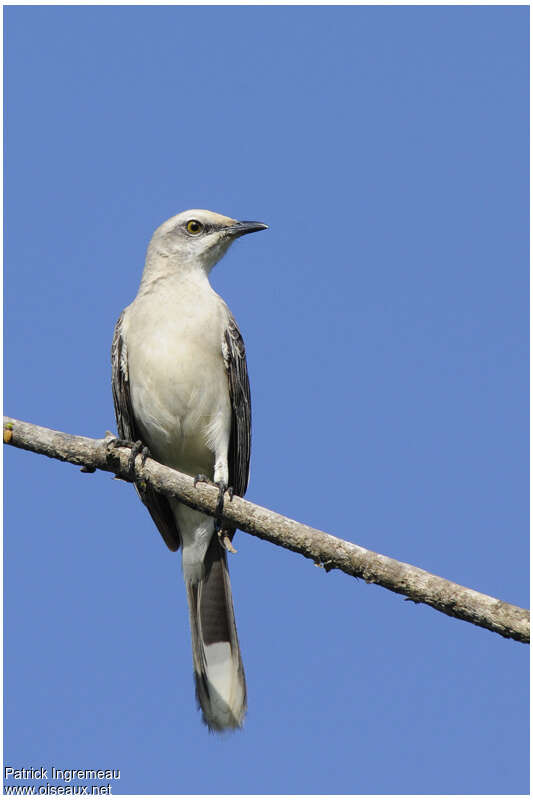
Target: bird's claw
{"x":203,"y":479}
{"x":222,"y":489}
{"x":136,"y":448}
{"x":113,"y":441}
{"x":221,"y":492}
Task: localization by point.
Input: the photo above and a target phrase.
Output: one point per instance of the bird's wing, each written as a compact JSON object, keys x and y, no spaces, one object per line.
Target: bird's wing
{"x":241,"y":411}
{"x":157,"y":504}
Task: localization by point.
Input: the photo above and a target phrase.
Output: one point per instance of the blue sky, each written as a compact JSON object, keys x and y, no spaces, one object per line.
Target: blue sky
{"x":385,"y":315}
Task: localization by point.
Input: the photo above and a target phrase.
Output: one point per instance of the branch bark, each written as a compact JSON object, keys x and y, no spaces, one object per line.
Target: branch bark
{"x":326,"y":550}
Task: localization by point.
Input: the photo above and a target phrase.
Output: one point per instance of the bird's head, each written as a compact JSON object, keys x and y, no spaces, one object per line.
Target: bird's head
{"x":199,"y":237}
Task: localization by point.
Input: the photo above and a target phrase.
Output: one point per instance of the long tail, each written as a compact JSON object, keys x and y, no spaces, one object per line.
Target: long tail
{"x":218,"y":668}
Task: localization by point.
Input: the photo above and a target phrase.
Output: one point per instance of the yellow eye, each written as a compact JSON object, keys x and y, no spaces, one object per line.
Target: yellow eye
{"x":193,"y":226}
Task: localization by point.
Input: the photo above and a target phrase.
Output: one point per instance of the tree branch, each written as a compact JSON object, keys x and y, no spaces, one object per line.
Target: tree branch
{"x":326,"y":550}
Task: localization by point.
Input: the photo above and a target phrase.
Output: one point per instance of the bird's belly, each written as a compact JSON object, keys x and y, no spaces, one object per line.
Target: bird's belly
{"x":179,"y":398}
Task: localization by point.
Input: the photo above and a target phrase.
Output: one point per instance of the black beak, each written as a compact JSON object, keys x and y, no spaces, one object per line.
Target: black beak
{"x":246,"y":226}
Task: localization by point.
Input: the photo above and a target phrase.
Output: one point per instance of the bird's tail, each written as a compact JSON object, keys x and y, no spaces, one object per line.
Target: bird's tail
{"x":218,"y":668}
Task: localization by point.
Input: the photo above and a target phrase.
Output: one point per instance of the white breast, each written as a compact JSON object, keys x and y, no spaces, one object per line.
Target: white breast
{"x":178,"y":382}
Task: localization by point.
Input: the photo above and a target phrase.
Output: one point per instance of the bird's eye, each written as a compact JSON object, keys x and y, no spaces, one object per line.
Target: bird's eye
{"x":193,"y":226}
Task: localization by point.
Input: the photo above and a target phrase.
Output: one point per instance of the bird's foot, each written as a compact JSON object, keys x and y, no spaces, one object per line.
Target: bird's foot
{"x":136,"y":448}
{"x":204,"y":479}
{"x":222,"y":489}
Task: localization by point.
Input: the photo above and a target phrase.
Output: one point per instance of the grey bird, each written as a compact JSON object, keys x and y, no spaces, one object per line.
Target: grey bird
{"x":180,"y":387}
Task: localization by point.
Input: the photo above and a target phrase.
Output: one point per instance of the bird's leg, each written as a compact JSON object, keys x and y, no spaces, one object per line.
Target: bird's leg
{"x":222,"y":487}
{"x":222,"y":533}
{"x":136,"y":448}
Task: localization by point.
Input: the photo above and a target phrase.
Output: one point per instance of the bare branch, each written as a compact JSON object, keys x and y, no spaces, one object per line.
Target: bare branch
{"x":328,"y":551}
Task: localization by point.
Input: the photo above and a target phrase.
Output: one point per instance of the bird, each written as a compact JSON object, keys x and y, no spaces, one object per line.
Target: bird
{"x":181,"y":393}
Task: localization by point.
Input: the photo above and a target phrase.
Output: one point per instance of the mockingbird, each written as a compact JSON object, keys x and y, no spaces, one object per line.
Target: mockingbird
{"x":180,"y":387}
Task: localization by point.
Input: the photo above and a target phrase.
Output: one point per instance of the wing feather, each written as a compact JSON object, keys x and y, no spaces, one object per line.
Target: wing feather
{"x":157,"y":504}
{"x":241,"y":410}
